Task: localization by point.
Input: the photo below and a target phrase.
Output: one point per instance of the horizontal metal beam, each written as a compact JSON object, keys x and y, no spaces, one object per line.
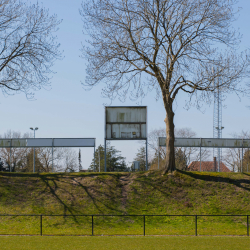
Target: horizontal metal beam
{"x":126,"y":123}
{"x":126,"y":139}
{"x":207,"y":142}
{"x":46,"y":142}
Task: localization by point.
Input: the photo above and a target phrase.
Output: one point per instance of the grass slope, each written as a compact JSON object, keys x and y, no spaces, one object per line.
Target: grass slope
{"x":125,"y":193}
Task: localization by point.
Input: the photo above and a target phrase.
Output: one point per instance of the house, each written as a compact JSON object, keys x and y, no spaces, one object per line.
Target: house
{"x":209,"y":166}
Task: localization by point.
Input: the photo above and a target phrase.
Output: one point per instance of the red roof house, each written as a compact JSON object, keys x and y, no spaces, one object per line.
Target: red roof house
{"x":210,"y":166}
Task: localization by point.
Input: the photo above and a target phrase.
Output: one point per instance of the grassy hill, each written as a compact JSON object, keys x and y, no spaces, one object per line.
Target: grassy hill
{"x":125,"y":193}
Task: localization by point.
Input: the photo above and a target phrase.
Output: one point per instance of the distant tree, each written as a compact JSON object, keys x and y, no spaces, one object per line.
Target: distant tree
{"x":171,"y":46}
{"x":233,"y":156}
{"x":1,"y":165}
{"x":27,"y":46}
{"x":180,"y":159}
{"x":141,"y":157}
{"x":80,"y":159}
{"x":17,"y":158}
{"x":39,"y":167}
{"x":153,"y":144}
{"x":45,"y":158}
{"x":189,"y":153}
{"x":115,"y":162}
{"x":68,"y":160}
{"x":22,"y":159}
{"x":99,"y":160}
{"x":246,"y":161}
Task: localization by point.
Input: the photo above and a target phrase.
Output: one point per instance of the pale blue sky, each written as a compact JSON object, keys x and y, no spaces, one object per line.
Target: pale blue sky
{"x":67,"y":110}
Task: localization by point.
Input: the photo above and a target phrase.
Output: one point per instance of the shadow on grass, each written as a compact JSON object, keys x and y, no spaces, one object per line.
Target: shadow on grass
{"x":172,"y":186}
{"x":53,"y":192}
{"x":207,"y":177}
{"x":65,"y":188}
{"x":93,"y":192}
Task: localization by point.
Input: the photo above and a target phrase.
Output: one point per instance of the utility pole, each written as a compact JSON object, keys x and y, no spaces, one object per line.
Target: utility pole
{"x":99,"y":160}
{"x":217,"y":119}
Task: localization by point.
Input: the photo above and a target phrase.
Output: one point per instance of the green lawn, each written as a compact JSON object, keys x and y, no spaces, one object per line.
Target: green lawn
{"x":120,"y":243}
{"x":127,"y":225}
{"x":149,"y":193}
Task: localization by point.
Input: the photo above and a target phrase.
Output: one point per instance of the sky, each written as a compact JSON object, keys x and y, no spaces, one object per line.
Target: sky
{"x":66,"y":110}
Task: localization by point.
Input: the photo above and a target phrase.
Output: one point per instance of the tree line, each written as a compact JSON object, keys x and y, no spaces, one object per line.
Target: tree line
{"x":231,"y":157}
{"x":22,"y":159}
{"x":68,"y":160}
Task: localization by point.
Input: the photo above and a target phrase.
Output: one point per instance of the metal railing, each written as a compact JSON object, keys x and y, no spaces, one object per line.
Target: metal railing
{"x":92,"y":218}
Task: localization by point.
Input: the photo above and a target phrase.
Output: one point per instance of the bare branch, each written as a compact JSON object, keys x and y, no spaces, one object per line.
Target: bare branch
{"x":28,"y":48}
{"x":177,"y":43}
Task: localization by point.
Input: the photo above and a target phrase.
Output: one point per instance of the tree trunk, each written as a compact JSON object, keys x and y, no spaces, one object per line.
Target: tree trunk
{"x":170,"y":154}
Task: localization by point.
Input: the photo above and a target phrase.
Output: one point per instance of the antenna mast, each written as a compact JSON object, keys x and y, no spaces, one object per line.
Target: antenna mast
{"x":217,"y":119}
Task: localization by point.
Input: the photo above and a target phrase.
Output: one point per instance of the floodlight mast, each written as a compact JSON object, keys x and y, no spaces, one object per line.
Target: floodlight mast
{"x":217,"y":120}
{"x":34,"y":161}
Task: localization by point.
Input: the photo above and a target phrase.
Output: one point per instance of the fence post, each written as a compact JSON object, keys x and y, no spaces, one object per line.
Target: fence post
{"x":92,"y":225}
{"x":195,"y":225}
{"x":247,"y":225}
{"x":41,"y":225}
{"x":144,"y":225}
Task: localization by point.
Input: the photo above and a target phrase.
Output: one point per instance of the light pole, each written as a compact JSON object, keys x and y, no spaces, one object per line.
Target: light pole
{"x":219,"y":149}
{"x":99,"y":160}
{"x":34,"y":164}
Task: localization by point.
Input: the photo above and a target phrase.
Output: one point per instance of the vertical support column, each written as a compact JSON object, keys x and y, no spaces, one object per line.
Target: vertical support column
{"x":146,"y":154}
{"x":94,"y":161}
{"x":105,"y":163}
{"x":242,"y":157}
{"x":41,"y":224}
{"x":219,"y":159}
{"x":34,"y":161}
{"x":105,"y":137}
{"x":144,"y":229}
{"x":99,"y":159}
{"x":10,"y":152}
{"x":52,"y":170}
{"x":92,"y":225}
{"x":158,"y":157}
{"x":200,"y":154}
{"x":34,"y":152}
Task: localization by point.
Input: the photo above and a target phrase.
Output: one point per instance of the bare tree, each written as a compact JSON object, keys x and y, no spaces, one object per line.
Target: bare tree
{"x":169,"y":45}
{"x":27,"y":46}
{"x":46,"y":160}
{"x":234,"y":155}
{"x":22,"y":159}
{"x":189,"y":153}
{"x":17,"y":159}
{"x":68,"y":161}
{"x":154,"y":149}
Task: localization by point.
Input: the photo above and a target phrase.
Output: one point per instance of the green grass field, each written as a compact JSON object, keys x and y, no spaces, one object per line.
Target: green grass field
{"x":128,"y":225}
{"x":146,"y":193}
{"x":127,"y":242}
